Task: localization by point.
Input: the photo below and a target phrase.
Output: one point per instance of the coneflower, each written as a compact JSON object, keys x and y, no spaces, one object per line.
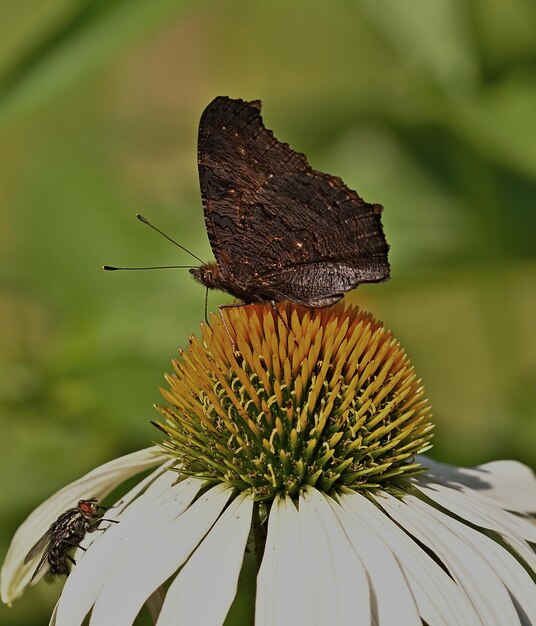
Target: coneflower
{"x":298,"y":431}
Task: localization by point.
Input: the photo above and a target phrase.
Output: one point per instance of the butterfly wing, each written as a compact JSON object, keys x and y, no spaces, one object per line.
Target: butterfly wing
{"x":314,"y":284}
{"x":270,"y":216}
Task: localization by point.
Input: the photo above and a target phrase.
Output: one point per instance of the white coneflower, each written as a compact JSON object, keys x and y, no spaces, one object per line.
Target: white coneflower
{"x":298,"y":432}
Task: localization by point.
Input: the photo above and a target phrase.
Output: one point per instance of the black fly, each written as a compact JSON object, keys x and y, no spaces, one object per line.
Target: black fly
{"x":65,"y":534}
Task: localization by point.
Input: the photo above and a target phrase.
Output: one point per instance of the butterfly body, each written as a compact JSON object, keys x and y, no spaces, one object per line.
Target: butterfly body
{"x":279,"y":229}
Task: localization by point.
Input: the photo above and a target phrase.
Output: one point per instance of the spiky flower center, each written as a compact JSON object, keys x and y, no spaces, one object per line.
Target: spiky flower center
{"x":276,"y":400}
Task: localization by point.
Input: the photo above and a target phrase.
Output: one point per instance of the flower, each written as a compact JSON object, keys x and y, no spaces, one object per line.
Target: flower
{"x":306,"y":427}
{"x":325,"y":398}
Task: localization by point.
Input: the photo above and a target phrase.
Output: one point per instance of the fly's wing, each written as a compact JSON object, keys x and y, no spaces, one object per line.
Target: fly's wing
{"x":40,"y":545}
{"x":267,"y":211}
{"x":56,"y":528}
{"x":42,"y":561}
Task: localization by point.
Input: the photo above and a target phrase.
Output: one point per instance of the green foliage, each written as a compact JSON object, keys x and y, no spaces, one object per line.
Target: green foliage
{"x":426,"y":107}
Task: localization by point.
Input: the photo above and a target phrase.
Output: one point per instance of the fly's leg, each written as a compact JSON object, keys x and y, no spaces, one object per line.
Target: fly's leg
{"x":95,"y":525}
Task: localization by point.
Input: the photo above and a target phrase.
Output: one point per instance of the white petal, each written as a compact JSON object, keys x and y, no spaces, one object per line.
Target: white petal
{"x":214,"y":566}
{"x":15,"y":575}
{"x":338,"y":584}
{"x":282,"y":594}
{"x":510,"y":483}
{"x":439,"y":600}
{"x":473,"y":575}
{"x":392,"y":601}
{"x":154,"y":560}
{"x":162,"y":502}
{"x":152,"y":487}
{"x":483,"y":511}
{"x":507,"y":568}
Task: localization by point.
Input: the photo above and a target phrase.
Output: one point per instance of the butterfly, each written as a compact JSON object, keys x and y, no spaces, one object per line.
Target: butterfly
{"x":65,"y":534}
{"x":279,"y":230}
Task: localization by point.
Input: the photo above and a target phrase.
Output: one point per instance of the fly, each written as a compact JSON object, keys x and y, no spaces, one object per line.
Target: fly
{"x":65,"y":534}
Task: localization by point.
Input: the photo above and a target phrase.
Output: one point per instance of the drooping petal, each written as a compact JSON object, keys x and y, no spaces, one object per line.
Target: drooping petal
{"x":484,"y":512}
{"x":439,"y":600}
{"x":338,"y":585}
{"x":467,"y":567}
{"x":153,"y":486}
{"x":510,"y":484}
{"x":282,"y":591}
{"x":513,"y":575}
{"x":161,"y":503}
{"x":214,"y":567}
{"x":15,"y":576}
{"x":391,"y":598}
{"x":141,"y":571}
{"x":513,"y":485}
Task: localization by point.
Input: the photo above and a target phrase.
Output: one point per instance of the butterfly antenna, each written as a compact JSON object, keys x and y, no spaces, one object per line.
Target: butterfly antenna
{"x":146,"y":221}
{"x":112,"y":268}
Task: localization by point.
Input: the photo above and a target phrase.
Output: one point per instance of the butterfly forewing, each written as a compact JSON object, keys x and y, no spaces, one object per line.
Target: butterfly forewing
{"x":278,"y":228}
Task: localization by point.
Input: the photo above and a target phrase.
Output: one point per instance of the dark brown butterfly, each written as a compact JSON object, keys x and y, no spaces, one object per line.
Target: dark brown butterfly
{"x":65,"y":534}
{"x":279,"y":229}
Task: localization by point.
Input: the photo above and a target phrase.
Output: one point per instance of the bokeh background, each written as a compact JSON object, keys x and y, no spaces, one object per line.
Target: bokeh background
{"x":428,"y":108}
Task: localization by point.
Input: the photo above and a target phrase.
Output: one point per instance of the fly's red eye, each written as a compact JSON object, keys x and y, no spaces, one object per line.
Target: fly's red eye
{"x":87,"y":507}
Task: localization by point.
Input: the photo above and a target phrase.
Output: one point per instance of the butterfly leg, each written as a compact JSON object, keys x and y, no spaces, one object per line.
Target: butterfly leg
{"x":206,"y":309}
{"x":71,"y":559}
{"x":229,"y":305}
{"x":277,"y":313}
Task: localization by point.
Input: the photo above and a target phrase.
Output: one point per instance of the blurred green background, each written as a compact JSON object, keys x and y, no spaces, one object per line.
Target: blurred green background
{"x":426,"y":107}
